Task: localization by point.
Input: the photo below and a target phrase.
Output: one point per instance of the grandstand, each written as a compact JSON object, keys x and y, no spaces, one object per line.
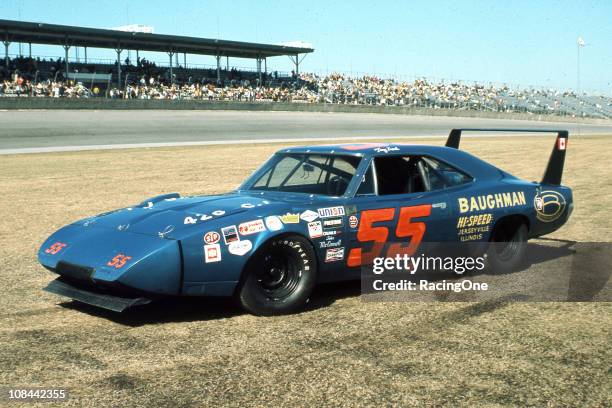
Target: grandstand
{"x":72,"y":36}
{"x":144,"y":79}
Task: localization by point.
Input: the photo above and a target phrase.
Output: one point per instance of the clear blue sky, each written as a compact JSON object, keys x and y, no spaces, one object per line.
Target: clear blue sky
{"x":514,"y":42}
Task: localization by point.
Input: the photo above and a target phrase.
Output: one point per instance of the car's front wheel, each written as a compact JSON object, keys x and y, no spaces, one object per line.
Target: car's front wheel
{"x":279,"y":278}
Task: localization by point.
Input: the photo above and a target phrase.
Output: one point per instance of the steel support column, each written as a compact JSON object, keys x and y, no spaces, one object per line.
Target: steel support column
{"x":259,"y":69}
{"x":66,"y":49}
{"x":85,"y":54}
{"x":184,"y":60}
{"x":30,"y":50}
{"x":6,"y":49}
{"x":118,"y":67}
{"x":170,"y":54}
{"x":297,"y":61}
{"x":218,"y":69}
{"x":227,"y":63}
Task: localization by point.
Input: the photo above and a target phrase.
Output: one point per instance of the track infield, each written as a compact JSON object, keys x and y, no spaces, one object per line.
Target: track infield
{"x":342,"y":351}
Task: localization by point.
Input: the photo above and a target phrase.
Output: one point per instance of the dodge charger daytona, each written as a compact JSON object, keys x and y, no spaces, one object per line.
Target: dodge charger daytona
{"x":308,"y":215}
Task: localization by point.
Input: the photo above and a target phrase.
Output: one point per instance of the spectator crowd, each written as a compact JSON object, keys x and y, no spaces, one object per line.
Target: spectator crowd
{"x":147,"y":81}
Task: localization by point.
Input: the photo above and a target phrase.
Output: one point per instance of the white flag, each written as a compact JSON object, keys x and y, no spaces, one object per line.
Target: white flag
{"x":581,"y":42}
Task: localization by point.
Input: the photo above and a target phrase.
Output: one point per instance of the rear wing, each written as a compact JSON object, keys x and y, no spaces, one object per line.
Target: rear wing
{"x":554,"y":169}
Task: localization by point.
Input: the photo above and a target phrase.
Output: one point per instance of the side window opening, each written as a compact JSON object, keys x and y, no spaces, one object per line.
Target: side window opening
{"x":399,"y":175}
{"x":412,"y":174}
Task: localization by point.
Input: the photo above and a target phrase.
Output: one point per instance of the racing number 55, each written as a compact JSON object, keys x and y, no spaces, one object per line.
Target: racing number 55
{"x":378,"y":235}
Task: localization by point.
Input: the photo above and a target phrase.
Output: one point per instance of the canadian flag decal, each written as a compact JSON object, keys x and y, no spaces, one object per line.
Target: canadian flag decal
{"x":561,"y":143}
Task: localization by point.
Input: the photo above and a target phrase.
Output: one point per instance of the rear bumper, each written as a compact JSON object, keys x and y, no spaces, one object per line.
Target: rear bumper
{"x":95,"y":297}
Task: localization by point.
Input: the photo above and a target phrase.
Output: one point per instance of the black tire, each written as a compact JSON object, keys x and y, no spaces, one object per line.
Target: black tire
{"x":279,"y":278}
{"x":506,"y":252}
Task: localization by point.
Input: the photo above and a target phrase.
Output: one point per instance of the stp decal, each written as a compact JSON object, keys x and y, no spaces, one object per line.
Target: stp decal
{"x":378,"y":235}
{"x":212,"y":237}
{"x":353,"y":221}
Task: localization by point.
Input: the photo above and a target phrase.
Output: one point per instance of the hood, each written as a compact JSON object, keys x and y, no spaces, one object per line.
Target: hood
{"x":175,"y":217}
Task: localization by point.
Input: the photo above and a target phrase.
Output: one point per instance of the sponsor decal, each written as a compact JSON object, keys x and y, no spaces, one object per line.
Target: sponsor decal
{"x":386,"y":149}
{"x":309,"y":216}
{"x":330,"y":244}
{"x":473,"y":227}
{"x":331,"y":233}
{"x":218,"y":213}
{"x":334,"y":254}
{"x":211,"y":237}
{"x":190,"y":220}
{"x":55,"y":248}
{"x":315,"y":230}
{"x":212,"y":253}
{"x":561,"y":143}
{"x":351,"y":210}
{"x":118,"y":261}
{"x":274,"y":223}
{"x":123,"y":227}
{"x":441,"y":205}
{"x":240,"y":247}
{"x":290,"y":218}
{"x":333,"y":223}
{"x":491,"y":201}
{"x":330,"y":212}
{"x":251,"y":227}
{"x":230,"y":234}
{"x":353,"y":221}
{"x":549,"y":205}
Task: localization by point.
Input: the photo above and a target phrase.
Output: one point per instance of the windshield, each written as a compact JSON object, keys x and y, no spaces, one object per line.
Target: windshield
{"x":324,"y":174}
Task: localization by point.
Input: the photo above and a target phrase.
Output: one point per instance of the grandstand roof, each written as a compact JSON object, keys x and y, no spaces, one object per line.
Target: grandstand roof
{"x":41,"y":33}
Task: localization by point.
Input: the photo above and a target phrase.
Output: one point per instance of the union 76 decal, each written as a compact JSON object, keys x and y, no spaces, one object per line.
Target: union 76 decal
{"x":378,"y":235}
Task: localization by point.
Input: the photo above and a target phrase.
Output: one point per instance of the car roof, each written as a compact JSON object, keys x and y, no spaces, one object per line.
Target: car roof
{"x":462,"y":160}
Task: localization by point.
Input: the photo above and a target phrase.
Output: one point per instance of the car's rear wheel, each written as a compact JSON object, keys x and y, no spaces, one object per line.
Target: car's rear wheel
{"x":508,"y":245}
{"x":279,"y":278}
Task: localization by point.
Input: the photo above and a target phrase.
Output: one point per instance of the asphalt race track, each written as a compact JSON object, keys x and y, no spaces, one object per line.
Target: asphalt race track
{"x":65,"y":130}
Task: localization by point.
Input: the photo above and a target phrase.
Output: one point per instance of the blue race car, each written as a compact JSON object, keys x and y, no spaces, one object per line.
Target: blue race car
{"x":308,"y":215}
